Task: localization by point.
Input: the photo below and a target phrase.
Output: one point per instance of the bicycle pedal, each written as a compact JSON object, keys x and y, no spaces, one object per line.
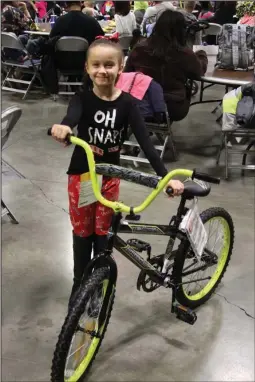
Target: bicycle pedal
{"x":185,"y":314}
{"x":139,"y":245}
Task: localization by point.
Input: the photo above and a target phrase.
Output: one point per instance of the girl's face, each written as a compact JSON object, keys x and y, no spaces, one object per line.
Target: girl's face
{"x":103,"y":65}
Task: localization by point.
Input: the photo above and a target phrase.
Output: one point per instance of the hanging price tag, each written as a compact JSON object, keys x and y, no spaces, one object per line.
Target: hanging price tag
{"x":87,"y":196}
{"x":194,"y":228}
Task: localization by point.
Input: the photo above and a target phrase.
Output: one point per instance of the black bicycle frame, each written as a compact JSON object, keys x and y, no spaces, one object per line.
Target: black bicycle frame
{"x":171,"y":230}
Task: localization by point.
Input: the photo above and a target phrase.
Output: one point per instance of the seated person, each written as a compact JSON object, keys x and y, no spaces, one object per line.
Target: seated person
{"x":165,"y":57}
{"x":13,"y":19}
{"x":194,"y":38}
{"x":150,"y":100}
{"x":149,"y":95}
{"x":139,"y":10}
{"x":152,"y":13}
{"x":124,"y":18}
{"x":225,"y":13}
{"x":89,"y":9}
{"x":75,"y":23}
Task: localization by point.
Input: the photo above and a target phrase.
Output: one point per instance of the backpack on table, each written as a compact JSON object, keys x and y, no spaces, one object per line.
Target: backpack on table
{"x":236,"y":47}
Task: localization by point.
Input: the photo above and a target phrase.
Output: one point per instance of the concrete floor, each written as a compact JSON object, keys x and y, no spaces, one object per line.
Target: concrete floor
{"x":144,"y":342}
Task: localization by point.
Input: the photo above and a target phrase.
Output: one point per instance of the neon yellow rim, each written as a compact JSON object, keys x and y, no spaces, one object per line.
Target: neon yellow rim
{"x":222,"y":259}
{"x":92,"y":349}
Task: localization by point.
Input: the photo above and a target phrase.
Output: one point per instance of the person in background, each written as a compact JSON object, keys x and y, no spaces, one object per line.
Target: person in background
{"x":41,"y":7}
{"x":55,"y":7}
{"x":189,"y":7}
{"x":106,"y":8}
{"x":225,"y":13}
{"x":76,"y":23}
{"x":165,"y":57}
{"x":153,"y":12}
{"x":206,"y":10}
{"x":124,"y":19}
{"x":31,"y":9}
{"x":246,"y":12}
{"x":12,"y":18}
{"x":139,"y":10}
{"x":89,"y":5}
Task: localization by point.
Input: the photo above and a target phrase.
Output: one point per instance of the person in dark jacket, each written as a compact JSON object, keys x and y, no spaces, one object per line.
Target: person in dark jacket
{"x":75,"y":23}
{"x":165,"y":57}
{"x":225,"y":13}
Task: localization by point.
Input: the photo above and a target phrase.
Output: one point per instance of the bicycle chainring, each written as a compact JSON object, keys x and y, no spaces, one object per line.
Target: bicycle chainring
{"x":144,"y":280}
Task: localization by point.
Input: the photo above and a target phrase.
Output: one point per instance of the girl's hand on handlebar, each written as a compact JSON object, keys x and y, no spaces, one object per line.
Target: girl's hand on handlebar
{"x":60,"y":132}
{"x":177,"y":187}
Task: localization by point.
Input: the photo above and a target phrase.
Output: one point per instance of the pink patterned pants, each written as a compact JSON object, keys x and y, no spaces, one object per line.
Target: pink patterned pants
{"x":93,"y":218}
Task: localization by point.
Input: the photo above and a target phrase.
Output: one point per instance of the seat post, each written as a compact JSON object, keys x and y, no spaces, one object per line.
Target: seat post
{"x":180,"y":211}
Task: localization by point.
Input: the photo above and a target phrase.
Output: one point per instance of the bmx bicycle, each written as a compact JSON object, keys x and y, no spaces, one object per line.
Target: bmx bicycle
{"x":193,"y":271}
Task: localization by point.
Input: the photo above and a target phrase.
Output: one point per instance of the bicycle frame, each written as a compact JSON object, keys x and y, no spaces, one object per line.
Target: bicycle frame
{"x":116,"y":242}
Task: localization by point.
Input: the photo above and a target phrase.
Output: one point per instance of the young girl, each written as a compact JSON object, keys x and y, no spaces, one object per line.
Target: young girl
{"x":103,"y":113}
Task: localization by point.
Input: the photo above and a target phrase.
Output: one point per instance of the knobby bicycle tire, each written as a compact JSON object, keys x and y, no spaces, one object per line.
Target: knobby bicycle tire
{"x":72,"y":320}
{"x":183,"y":249}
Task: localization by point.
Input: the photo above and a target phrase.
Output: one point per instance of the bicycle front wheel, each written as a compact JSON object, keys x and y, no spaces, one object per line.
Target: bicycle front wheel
{"x":197,"y":278}
{"x":83,"y":329}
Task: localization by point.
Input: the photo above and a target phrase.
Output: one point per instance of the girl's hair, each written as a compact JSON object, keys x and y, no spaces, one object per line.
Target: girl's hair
{"x":108,"y":43}
{"x":168,"y":33}
{"x":122,"y":7}
{"x":87,"y":83}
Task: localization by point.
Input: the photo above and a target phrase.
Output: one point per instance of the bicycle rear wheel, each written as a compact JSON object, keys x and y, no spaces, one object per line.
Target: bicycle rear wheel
{"x":83,"y":329}
{"x":202,"y":276}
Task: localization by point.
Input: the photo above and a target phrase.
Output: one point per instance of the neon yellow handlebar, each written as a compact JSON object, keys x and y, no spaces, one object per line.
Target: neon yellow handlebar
{"x":118,"y":206}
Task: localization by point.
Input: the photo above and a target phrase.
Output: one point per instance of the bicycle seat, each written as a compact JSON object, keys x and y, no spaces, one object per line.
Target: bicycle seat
{"x":194,"y":188}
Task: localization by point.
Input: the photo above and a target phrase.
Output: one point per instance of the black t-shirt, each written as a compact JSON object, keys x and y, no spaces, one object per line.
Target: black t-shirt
{"x":76,"y":23}
{"x":103,"y":124}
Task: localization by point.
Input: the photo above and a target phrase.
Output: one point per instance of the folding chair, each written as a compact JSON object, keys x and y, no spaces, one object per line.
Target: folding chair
{"x":164,"y":134}
{"x":162,"y":131}
{"x":67,"y":49}
{"x":9,"y":119}
{"x":213,"y":30}
{"x":29,"y":66}
{"x":239,"y":141}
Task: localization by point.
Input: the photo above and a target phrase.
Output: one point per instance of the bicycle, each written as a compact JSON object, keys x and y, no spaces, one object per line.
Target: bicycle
{"x":80,"y":339}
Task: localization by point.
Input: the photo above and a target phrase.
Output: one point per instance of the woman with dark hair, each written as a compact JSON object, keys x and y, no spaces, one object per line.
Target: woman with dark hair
{"x":165,"y":57}
{"x":124,"y":19}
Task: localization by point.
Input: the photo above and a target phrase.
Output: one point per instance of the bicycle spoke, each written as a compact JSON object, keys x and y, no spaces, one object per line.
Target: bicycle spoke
{"x":197,"y":272}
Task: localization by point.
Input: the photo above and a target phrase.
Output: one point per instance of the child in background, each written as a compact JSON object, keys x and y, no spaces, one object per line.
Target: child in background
{"x":103,"y":114}
{"x":41,"y":7}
